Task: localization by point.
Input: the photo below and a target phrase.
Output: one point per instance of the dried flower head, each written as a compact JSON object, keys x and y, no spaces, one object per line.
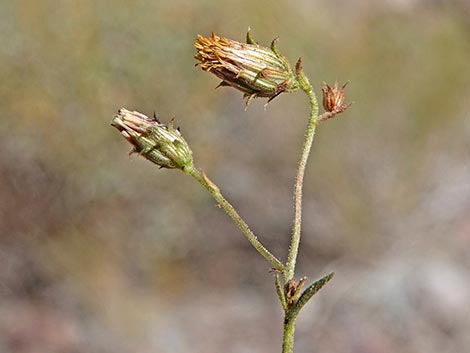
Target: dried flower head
{"x":159,"y":143}
{"x":254,"y":70}
{"x":333,"y":98}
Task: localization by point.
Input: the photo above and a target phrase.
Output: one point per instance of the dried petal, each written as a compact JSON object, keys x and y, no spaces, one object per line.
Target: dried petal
{"x":333,"y":97}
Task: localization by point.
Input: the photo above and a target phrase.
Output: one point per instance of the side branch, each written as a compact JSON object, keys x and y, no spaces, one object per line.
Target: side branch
{"x":228,"y":208}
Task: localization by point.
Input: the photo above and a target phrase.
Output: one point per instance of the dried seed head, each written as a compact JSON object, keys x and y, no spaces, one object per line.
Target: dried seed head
{"x":159,"y":143}
{"x":256,"y":71}
{"x":333,"y":97}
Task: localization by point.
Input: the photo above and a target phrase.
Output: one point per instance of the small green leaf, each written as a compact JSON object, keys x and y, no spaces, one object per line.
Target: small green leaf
{"x":308,"y":294}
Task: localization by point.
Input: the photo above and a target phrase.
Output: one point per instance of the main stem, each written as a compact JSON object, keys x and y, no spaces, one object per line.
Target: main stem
{"x":228,"y":208}
{"x":288,"y":339}
{"x":310,"y":133}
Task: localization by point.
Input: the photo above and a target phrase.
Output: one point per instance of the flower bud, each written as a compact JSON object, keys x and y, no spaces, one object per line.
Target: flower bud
{"x":333,"y":97}
{"x":254,"y":70}
{"x":159,"y":143}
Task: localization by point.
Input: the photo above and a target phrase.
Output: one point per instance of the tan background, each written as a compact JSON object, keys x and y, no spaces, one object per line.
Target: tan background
{"x":100,"y":252}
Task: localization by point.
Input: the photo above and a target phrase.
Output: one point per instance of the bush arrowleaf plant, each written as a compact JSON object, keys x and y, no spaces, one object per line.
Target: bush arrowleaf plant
{"x":256,"y":71}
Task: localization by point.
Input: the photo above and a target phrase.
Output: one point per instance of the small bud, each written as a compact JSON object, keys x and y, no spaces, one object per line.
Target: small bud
{"x":333,"y":98}
{"x":159,"y":143}
{"x":292,"y":290}
{"x":256,"y":71}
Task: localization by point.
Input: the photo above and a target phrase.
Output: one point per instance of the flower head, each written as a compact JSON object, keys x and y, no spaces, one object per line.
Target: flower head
{"x":254,"y":70}
{"x":333,"y":97}
{"x":159,"y":143}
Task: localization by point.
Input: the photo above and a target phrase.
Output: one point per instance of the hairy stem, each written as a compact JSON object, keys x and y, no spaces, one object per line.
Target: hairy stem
{"x":310,"y":133}
{"x":280,"y":292}
{"x":228,"y":208}
{"x":288,"y":337}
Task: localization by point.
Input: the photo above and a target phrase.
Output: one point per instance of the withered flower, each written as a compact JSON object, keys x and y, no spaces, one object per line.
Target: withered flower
{"x":292,"y":290}
{"x":250,"y":68}
{"x":159,"y":143}
{"x":333,"y":98}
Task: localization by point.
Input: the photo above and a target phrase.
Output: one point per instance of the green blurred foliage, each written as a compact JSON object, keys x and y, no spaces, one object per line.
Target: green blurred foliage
{"x":100,"y":252}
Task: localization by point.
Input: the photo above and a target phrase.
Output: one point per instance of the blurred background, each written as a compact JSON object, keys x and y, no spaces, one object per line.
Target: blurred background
{"x":102,"y":252}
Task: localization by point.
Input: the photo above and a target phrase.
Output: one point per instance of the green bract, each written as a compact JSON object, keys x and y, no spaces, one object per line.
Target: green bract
{"x":254,"y":70}
{"x":159,"y":143}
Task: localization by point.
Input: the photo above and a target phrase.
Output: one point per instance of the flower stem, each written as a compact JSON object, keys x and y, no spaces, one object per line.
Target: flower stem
{"x":310,"y":133}
{"x":228,"y":208}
